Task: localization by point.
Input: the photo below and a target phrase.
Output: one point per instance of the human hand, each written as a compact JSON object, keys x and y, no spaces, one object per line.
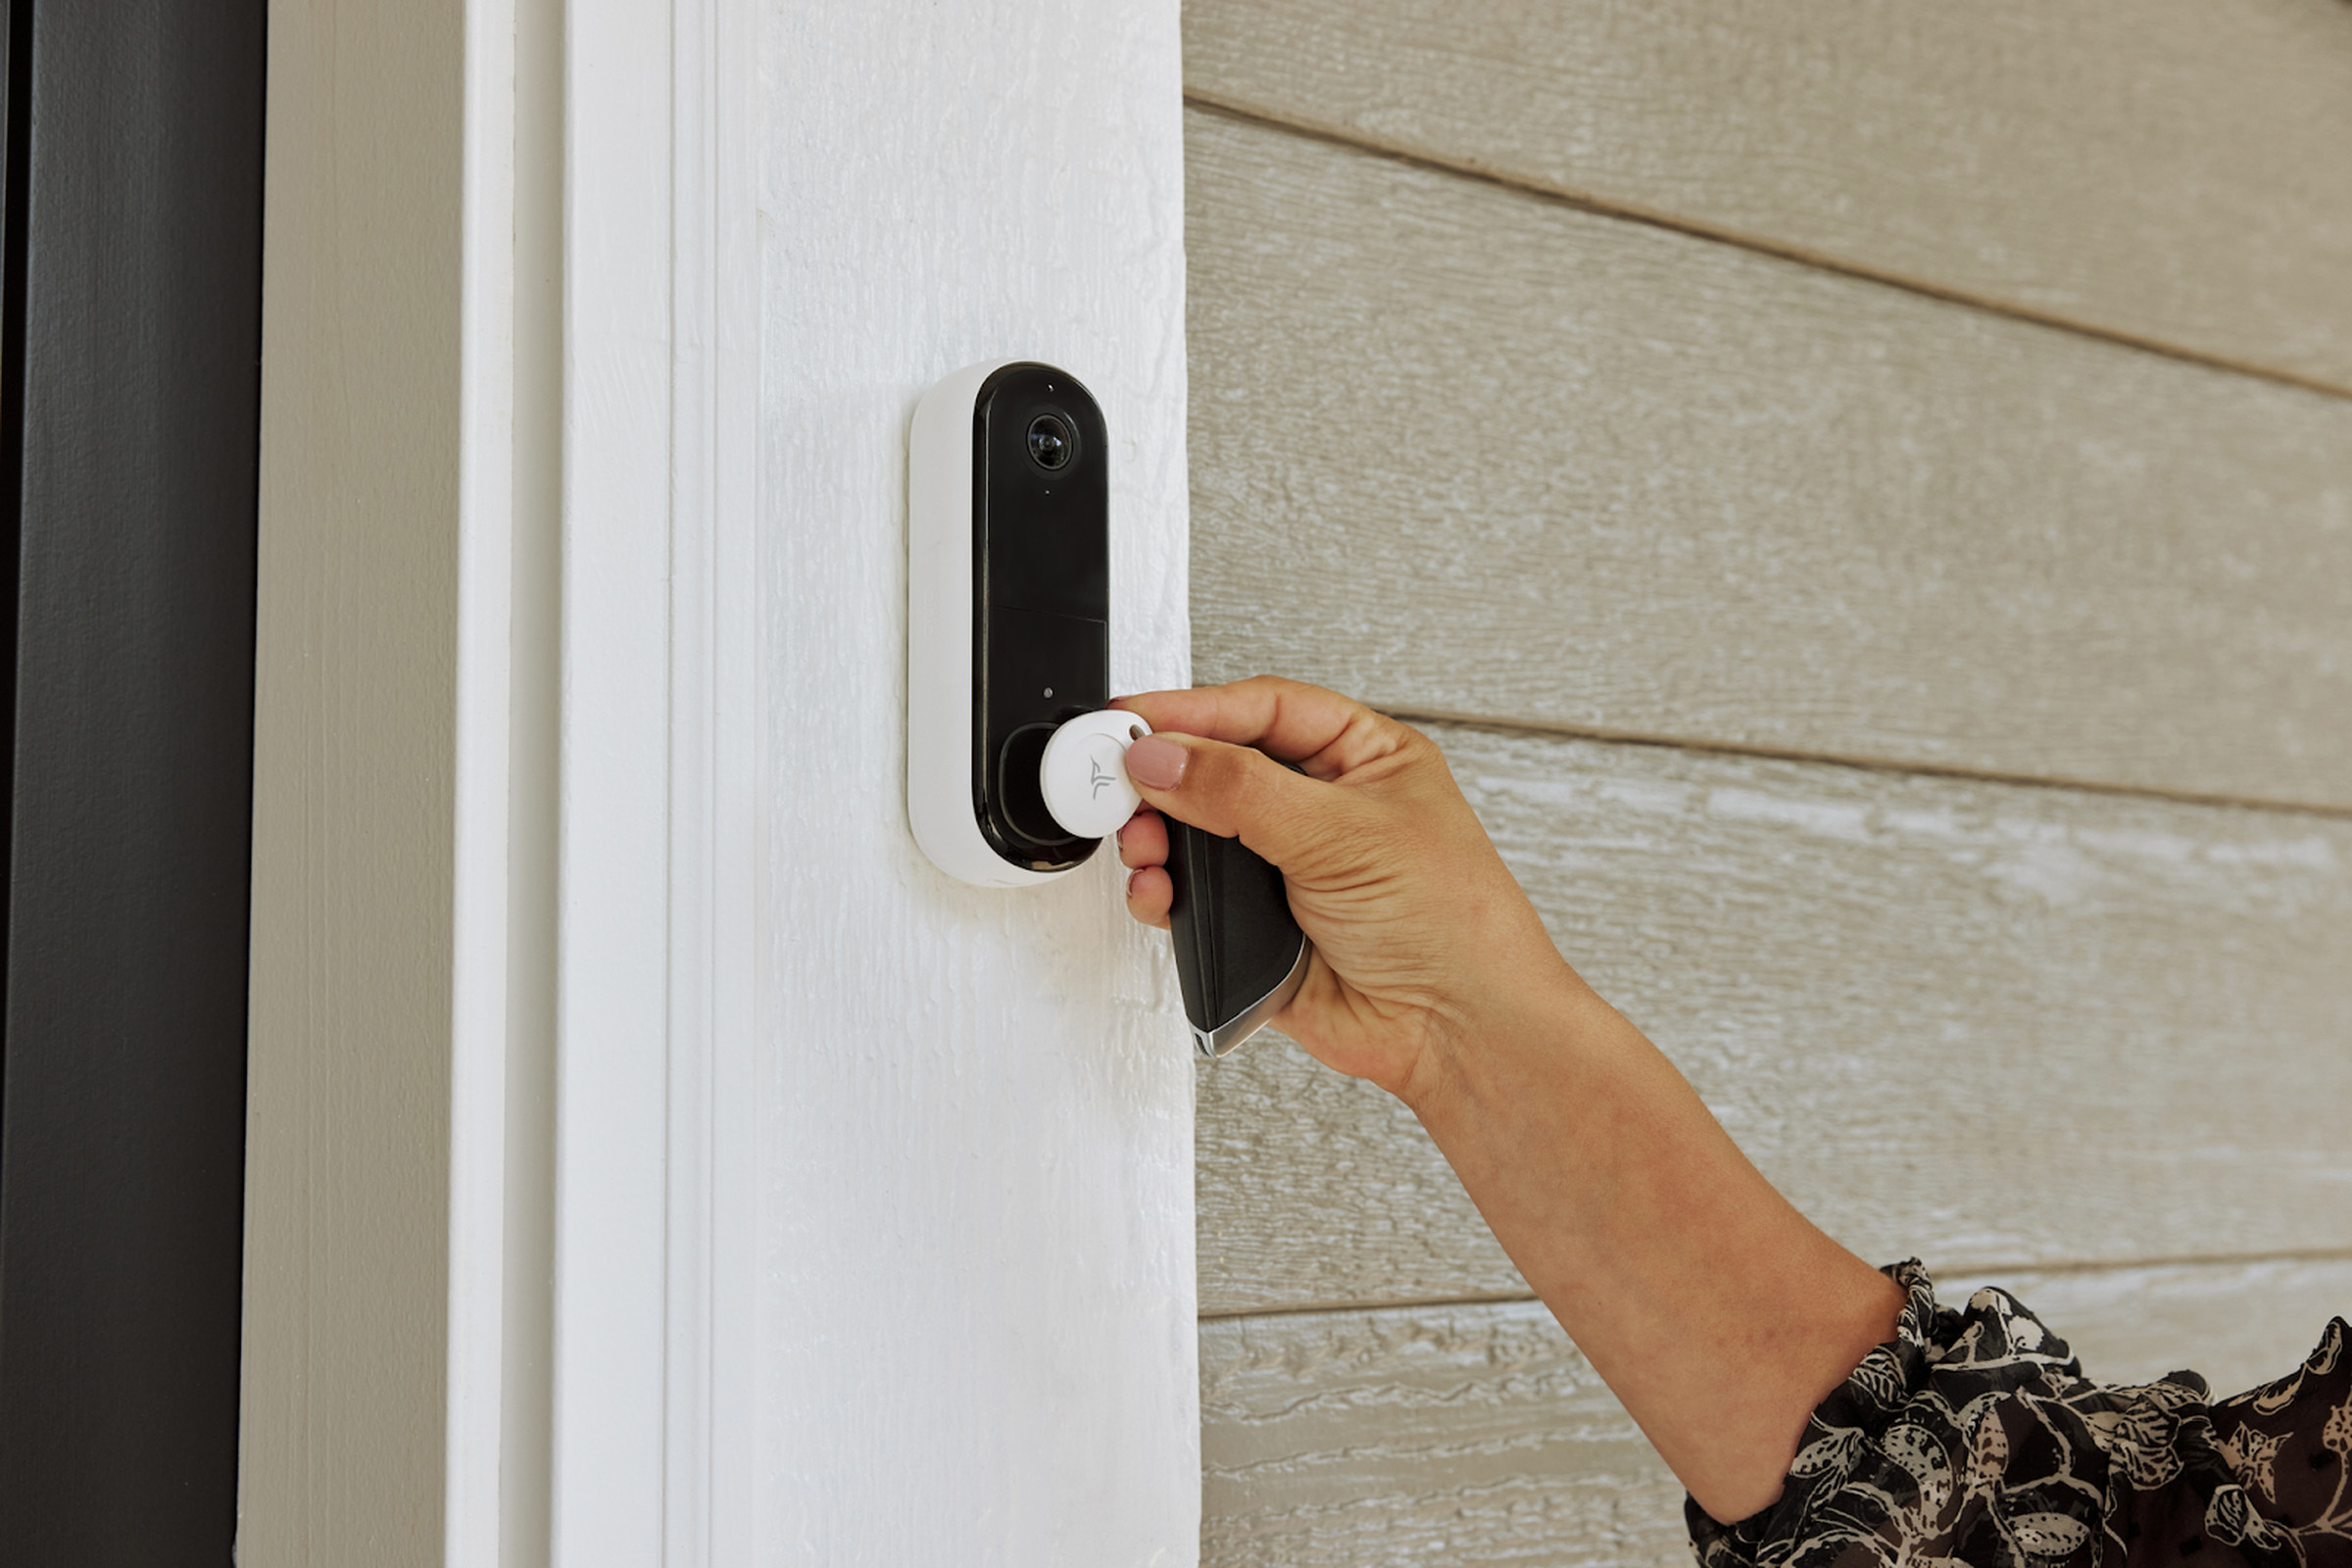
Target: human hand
{"x":1421,"y":936}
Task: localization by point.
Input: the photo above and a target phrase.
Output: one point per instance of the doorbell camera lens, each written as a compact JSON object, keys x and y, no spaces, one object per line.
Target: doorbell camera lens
{"x":1052,"y":442}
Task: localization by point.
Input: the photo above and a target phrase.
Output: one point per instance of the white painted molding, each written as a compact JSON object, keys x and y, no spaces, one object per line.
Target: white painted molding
{"x":712,"y":1177}
{"x":480,"y":906}
{"x":653,"y":1159}
{"x":653,"y":1392}
{"x":935,"y":1153}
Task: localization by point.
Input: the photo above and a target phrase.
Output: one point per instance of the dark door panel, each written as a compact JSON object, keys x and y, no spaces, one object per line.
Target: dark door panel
{"x":134,"y":250}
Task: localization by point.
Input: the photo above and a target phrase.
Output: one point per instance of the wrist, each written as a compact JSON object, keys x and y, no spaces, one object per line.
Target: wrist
{"x":1538,"y":1006}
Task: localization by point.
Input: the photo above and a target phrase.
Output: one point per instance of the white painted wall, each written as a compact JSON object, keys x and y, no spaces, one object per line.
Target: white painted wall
{"x":975,"y":1331}
{"x":654,"y":1160}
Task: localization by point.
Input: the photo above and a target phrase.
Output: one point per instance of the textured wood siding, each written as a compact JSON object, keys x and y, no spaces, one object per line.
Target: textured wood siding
{"x":2171,"y":171}
{"x":1557,"y":469}
{"x":1989,"y":1024}
{"x":1474,"y":1433}
{"x":1864,"y":502}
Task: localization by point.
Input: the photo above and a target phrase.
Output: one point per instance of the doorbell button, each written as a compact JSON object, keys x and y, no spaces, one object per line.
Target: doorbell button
{"x":1083,"y":775}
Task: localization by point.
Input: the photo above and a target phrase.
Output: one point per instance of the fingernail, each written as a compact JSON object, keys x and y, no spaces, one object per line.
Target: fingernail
{"x":1155,"y":763}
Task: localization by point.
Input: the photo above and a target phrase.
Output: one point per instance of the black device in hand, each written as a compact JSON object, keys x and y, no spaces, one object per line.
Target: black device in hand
{"x":1239,"y":955}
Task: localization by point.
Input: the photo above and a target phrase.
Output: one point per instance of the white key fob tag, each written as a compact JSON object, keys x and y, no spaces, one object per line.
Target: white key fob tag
{"x":1083,"y":775}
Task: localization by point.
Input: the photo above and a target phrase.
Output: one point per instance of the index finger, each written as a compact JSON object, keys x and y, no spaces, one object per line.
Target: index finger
{"x":1324,"y":733}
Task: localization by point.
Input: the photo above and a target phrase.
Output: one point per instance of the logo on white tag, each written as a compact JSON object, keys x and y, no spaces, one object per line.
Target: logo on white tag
{"x":1083,"y":775}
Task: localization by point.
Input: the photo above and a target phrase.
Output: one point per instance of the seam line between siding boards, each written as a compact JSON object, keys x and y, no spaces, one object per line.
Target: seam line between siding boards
{"x":1867,"y":764}
{"x":1544,"y":190}
{"x":2316,"y":1255}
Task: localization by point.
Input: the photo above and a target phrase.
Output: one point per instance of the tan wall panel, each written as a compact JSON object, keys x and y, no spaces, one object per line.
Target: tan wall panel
{"x":1455,"y":1435}
{"x":2172,"y":169}
{"x":1476,"y":1435}
{"x":1457,"y":449}
{"x":341,"y":1456}
{"x":1987,"y":1024}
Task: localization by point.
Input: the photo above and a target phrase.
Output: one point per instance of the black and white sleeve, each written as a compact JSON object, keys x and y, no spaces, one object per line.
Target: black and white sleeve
{"x":1974,"y":1439}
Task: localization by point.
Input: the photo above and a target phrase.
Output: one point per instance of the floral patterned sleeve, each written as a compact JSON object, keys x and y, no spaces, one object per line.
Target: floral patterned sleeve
{"x":1974,"y":1439}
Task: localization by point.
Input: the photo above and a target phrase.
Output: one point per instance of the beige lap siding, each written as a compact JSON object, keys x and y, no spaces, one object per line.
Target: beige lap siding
{"x":2029,"y":946}
{"x":1474,"y":1435}
{"x":1559,"y":469}
{"x":2170,"y":170}
{"x":1989,"y":1024}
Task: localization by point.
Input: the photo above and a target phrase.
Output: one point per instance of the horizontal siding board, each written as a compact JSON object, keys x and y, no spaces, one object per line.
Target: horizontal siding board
{"x":1458,"y":450}
{"x":1457,"y":1435}
{"x":1476,"y":1435}
{"x":1982,"y":1023}
{"x":2172,"y":169}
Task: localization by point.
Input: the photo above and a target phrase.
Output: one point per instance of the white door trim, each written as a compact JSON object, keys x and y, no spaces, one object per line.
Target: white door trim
{"x":794,"y":1201}
{"x":483,"y":909}
{"x":654,"y":1159}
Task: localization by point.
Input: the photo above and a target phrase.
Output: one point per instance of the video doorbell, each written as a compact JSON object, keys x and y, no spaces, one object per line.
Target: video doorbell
{"x":1016,"y":769}
{"x":1009,"y":613}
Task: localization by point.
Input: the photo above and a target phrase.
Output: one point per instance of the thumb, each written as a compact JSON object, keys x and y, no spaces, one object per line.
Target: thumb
{"x":1234,"y":792}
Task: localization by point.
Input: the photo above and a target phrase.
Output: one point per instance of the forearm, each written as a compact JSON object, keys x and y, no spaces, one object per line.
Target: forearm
{"x":1719,"y":1316}
{"x":1714,"y":1311}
